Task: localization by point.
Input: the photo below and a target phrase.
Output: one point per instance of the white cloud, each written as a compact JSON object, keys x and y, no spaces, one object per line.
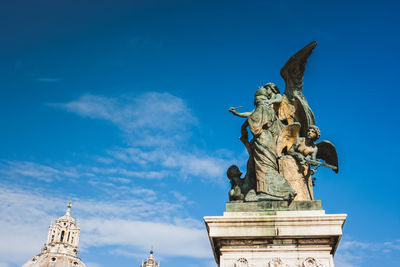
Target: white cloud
{"x":34,"y":170}
{"x":120,"y":180}
{"x":186,"y":241}
{"x":354,"y":253}
{"x":130,"y":173}
{"x":156,"y":126}
{"x":179,"y":196}
{"x":355,"y":245}
{"x":23,"y":224}
{"x":197,"y":165}
{"x":345,"y":260}
{"x":186,"y":163}
{"x":127,"y":253}
{"x":149,"y":112}
{"x":46,"y":173}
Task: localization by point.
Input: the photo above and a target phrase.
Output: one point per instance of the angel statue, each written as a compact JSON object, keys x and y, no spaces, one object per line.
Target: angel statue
{"x":282,"y":149}
{"x":262,"y":166}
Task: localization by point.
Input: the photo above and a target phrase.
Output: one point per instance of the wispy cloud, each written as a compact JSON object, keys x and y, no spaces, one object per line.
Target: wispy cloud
{"x":22,"y":236}
{"x":186,"y":163}
{"x":127,"y":253}
{"x":129,"y":173}
{"x":355,"y":253}
{"x":149,"y":112}
{"x":157,"y":126}
{"x":37,"y":171}
{"x":59,"y":172}
{"x":188,"y":241}
{"x":384,"y":246}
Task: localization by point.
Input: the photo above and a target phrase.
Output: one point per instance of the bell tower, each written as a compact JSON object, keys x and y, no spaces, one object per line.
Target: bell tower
{"x":63,"y":236}
{"x":150,"y":262}
{"x":61,"y":247}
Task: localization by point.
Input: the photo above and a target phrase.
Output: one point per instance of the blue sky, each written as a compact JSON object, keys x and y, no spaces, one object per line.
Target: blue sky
{"x":122,"y":107}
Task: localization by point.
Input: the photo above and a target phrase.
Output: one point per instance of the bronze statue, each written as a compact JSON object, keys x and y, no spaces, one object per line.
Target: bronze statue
{"x":282,"y":150}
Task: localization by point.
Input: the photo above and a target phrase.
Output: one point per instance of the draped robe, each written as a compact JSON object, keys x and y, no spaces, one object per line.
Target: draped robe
{"x":263,"y":162}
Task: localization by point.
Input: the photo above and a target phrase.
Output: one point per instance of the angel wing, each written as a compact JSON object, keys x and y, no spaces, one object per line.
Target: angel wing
{"x":287,"y":138}
{"x":327,"y":152}
{"x":294,"y":106}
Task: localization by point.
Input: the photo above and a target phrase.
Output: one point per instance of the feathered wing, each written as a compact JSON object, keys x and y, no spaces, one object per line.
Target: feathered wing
{"x":287,"y":138}
{"x":294,"y":106}
{"x":327,"y":152}
{"x":303,"y":114}
{"x":292,"y":72}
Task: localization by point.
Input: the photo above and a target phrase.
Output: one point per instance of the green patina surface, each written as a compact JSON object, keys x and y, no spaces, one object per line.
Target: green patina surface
{"x":269,"y":207}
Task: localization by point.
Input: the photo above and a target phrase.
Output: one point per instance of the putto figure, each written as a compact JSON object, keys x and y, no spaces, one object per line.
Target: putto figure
{"x":282,"y":150}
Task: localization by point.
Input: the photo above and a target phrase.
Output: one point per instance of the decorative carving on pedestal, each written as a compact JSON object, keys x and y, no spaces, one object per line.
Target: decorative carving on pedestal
{"x":311,"y":262}
{"x":242,"y":262}
{"x":277,"y":262}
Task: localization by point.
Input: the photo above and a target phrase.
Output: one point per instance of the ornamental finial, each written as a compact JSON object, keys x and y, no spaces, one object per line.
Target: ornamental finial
{"x":69,"y":208}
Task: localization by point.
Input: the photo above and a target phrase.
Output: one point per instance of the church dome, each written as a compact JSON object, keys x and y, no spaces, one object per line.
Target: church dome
{"x":61,"y":246}
{"x":54,"y":260}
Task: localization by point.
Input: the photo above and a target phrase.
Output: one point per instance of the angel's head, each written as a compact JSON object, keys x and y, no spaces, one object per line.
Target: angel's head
{"x":265,"y":92}
{"x":313,"y":133}
{"x":272,"y":88}
{"x":260,"y":95}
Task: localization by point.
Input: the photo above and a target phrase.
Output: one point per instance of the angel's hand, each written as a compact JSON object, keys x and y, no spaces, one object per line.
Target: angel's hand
{"x":302,"y":161}
{"x":233,"y":110}
{"x":300,"y":158}
{"x":309,"y":157}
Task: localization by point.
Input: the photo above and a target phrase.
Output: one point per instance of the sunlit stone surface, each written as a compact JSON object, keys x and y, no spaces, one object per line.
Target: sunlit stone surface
{"x":61,"y":246}
{"x":280,"y":238}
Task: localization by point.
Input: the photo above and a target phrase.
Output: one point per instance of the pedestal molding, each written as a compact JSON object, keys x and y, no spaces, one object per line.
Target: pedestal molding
{"x":292,"y":235}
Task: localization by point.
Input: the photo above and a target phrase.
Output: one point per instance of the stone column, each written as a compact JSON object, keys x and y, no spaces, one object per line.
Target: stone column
{"x":274,"y":234}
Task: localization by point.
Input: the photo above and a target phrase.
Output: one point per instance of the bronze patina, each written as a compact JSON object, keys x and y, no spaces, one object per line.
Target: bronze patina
{"x":283,"y":155}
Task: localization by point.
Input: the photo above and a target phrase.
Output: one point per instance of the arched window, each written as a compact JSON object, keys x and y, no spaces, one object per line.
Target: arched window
{"x":68,"y":236}
{"x":62,"y":236}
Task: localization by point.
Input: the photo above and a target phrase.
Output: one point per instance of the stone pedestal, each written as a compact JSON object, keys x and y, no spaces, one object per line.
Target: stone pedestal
{"x":274,"y":234}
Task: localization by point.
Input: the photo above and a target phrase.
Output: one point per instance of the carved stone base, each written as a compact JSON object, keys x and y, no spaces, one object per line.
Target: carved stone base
{"x":270,"y":207}
{"x":306,"y":238}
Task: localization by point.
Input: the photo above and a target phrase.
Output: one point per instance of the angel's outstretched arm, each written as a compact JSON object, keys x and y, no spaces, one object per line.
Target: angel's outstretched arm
{"x":243,"y":115}
{"x":293,"y":151}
